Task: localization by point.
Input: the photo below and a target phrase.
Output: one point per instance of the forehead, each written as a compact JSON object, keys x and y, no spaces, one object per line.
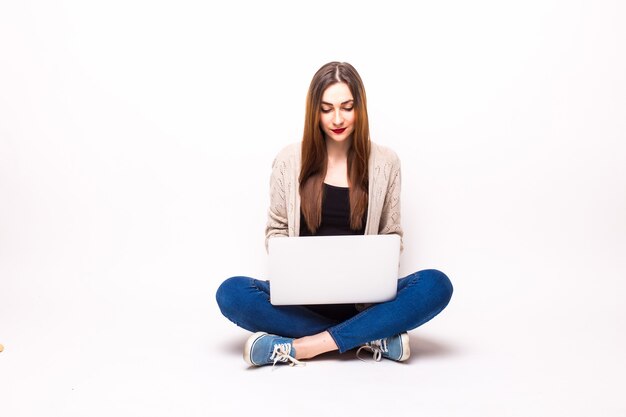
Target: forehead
{"x":337,"y":93}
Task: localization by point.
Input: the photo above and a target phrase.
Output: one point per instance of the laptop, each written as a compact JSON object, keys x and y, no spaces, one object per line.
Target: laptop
{"x":333,"y":269}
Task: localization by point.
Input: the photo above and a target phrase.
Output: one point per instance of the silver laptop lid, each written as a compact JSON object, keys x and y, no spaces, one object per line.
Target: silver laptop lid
{"x":333,"y":269}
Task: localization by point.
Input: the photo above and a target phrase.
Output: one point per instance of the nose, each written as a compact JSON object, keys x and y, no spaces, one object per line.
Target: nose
{"x":338,"y":118}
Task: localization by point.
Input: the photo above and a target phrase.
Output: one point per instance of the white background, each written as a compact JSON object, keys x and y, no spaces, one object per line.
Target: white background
{"x":136,"y":139}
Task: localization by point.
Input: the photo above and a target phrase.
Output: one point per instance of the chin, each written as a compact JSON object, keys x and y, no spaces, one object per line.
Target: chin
{"x":338,"y":139}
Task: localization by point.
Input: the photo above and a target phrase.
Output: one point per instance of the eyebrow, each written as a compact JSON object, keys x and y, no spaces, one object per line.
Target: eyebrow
{"x":345,"y":102}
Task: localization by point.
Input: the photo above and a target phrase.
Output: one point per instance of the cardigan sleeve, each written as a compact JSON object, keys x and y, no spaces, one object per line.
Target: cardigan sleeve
{"x":277,"y":213}
{"x":390,"y":220}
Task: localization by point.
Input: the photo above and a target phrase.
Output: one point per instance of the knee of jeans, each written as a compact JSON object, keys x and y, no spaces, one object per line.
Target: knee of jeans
{"x":226,"y":294}
{"x":441,"y":286}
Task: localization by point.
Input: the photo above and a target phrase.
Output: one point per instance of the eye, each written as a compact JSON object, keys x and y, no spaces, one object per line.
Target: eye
{"x":348,"y":108}
{"x":326,"y":110}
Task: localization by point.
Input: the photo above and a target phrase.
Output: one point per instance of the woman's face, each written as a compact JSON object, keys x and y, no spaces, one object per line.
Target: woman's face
{"x":337,"y":113}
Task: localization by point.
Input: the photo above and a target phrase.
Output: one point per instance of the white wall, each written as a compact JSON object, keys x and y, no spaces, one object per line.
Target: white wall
{"x":136,"y":139}
{"x":142,"y":131}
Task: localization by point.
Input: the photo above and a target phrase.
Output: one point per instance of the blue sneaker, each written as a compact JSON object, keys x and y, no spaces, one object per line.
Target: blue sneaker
{"x":396,"y":348}
{"x":264,"y":349}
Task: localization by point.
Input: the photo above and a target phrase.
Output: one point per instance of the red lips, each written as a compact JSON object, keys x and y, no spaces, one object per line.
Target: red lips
{"x":339,"y":131}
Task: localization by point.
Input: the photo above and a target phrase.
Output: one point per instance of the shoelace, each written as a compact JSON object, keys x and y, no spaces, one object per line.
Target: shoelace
{"x":281,"y":353}
{"x":377,"y":347}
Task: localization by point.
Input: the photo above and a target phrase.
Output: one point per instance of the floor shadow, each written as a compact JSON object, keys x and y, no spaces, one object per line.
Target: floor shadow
{"x":235,"y":345}
{"x":422,"y":346}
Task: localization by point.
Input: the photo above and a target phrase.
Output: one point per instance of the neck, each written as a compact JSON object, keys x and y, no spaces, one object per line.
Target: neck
{"x":337,"y":150}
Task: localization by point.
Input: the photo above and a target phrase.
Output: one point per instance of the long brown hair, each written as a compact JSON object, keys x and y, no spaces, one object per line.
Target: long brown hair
{"x":314,"y":155}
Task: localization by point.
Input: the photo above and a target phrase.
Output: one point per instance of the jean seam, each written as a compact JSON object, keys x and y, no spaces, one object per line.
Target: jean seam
{"x":256,"y":287}
{"x":414,"y":279}
{"x":343,"y":324}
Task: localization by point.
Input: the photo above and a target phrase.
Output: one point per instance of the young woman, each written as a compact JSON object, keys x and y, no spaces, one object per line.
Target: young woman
{"x":335,"y":182}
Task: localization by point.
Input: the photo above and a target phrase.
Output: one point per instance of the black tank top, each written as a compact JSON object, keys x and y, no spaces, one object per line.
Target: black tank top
{"x":335,"y":214}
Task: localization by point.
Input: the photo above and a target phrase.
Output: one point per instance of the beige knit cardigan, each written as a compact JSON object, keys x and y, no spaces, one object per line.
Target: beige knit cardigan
{"x":383,"y":209}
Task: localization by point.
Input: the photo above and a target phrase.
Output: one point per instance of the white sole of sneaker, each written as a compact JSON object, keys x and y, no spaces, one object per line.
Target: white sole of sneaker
{"x":248,"y":348}
{"x":406,"y":347}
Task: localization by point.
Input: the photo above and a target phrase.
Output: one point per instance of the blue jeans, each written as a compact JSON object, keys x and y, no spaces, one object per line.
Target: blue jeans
{"x":421,"y":296}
